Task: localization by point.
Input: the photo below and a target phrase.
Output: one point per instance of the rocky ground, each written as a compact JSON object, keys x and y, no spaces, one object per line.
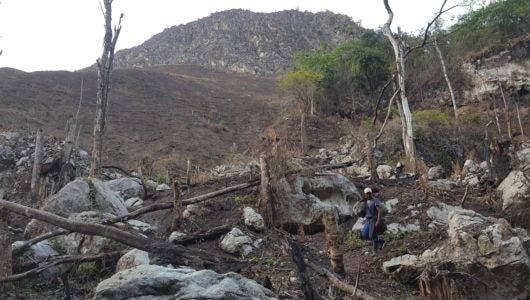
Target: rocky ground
{"x":428,"y":226}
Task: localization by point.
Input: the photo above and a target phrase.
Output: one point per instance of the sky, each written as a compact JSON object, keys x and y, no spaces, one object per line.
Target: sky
{"x":67,"y":34}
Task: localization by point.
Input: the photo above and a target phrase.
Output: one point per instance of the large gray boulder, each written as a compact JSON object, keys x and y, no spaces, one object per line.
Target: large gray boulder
{"x":524,"y":157}
{"x":132,"y":259}
{"x":236,"y":242}
{"x":515,"y":191}
{"x":307,"y":198}
{"x":435,"y":173}
{"x":156,"y":282}
{"x":126,"y":187}
{"x":253,"y":219}
{"x":384,"y":171}
{"x":79,"y":196}
{"x":42,"y":251}
{"x":496,"y":252}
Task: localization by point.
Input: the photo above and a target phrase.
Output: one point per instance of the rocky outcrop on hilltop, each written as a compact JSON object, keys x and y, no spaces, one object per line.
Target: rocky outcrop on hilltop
{"x":242,"y":41}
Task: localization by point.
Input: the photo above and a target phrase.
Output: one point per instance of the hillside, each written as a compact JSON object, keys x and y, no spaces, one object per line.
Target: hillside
{"x":242,"y":41}
{"x":170,"y":113}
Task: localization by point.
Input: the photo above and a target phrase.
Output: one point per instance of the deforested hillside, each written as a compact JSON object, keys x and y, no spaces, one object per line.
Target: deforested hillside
{"x":243,"y":41}
{"x":167,"y":112}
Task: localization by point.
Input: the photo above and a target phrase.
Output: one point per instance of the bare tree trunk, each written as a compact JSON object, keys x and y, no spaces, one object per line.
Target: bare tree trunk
{"x":303,"y":134}
{"x":312,"y":106}
{"x":449,"y":86}
{"x":399,"y":53}
{"x":6,"y":259}
{"x":497,"y":122}
{"x":265,"y":205}
{"x":519,"y":118}
{"x":177,"y":206}
{"x":333,"y":241}
{"x":37,"y":160}
{"x":370,"y":159}
{"x":506,"y":113}
{"x":188,"y":174}
{"x":105,"y":64}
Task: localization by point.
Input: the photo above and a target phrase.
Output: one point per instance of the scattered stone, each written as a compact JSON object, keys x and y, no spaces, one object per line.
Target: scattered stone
{"x":384,"y":171}
{"x":176,"y":236}
{"x":133,"y":203}
{"x":396,"y":228}
{"x":253,"y":219}
{"x":358,"y":226}
{"x":443,"y":184}
{"x":151,"y":281}
{"x":515,"y":191}
{"x":132,"y":259}
{"x":236,"y":242}
{"x":162,"y":187}
{"x":390,"y":204}
{"x":435,"y":173}
{"x":524,"y":157}
{"x":440,"y":212}
{"x":470,"y":167}
{"x":126,"y":187}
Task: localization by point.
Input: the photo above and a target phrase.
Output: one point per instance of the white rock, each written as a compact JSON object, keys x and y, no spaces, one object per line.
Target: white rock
{"x":157,"y":282}
{"x":132,"y":259}
{"x":358,"y":226}
{"x":470,"y":167}
{"x":175,"y":236}
{"x":133,"y":203}
{"x":396,"y":228}
{"x":390,"y":204}
{"x":236,"y":242}
{"x":126,"y":187}
{"x":443,"y":184}
{"x":514,"y":190}
{"x":253,"y":219}
{"x":162,"y":187}
{"x":384,"y":171}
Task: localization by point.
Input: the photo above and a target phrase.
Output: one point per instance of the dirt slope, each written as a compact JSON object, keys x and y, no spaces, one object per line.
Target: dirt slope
{"x":170,"y":112}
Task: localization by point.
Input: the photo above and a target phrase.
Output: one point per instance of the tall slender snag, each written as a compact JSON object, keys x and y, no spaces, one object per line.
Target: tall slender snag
{"x":449,"y":86}
{"x":265,"y":202}
{"x":519,"y":118}
{"x":506,"y":113}
{"x":104,"y":65}
{"x":177,"y":206}
{"x":37,"y":160}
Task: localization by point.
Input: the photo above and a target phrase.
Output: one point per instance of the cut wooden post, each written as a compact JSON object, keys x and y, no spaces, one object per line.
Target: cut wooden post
{"x":265,"y":203}
{"x":177,"y":206}
{"x":35,"y":175}
{"x":6,"y":258}
{"x":333,"y":241}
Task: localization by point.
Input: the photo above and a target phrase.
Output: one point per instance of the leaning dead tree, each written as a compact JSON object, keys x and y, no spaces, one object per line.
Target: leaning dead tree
{"x":104,"y":65}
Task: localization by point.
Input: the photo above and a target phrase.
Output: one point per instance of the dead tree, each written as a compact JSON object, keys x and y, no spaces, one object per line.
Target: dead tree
{"x":188,"y":174}
{"x":333,"y":241}
{"x":298,"y":259}
{"x":6,"y":259}
{"x":519,"y":118}
{"x":400,"y":54}
{"x":177,"y":206}
{"x":442,"y":284}
{"x":35,"y":175}
{"x":449,"y":85}
{"x":265,"y":204}
{"x":104,"y":65}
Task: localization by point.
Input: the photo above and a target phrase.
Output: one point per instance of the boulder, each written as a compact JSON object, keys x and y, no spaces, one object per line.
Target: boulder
{"x":236,"y":242}
{"x":132,"y":259}
{"x":435,"y":173}
{"x":133,"y":203}
{"x":157,"y":282}
{"x":126,"y":187}
{"x":524,"y":157}
{"x":79,"y":196}
{"x":384,"y":171}
{"x":389,"y":204}
{"x":307,"y":198}
{"x":253,"y":220}
{"x":39,"y":252}
{"x":396,"y":228}
{"x":515,"y":191}
{"x":470,"y":167}
{"x":496,"y":252}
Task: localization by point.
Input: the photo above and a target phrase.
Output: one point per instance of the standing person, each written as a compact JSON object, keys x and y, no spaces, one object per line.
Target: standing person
{"x":374,"y":223}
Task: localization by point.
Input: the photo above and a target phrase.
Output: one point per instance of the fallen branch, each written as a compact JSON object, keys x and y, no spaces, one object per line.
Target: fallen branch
{"x":59,"y":261}
{"x":168,"y":205}
{"x":464,"y":197}
{"x":341,"y":285}
{"x":174,"y":253}
{"x":204,"y":235}
{"x":22,"y":247}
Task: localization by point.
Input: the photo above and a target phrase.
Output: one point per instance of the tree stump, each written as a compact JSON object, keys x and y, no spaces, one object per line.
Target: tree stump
{"x":177,"y":206}
{"x":445,"y":285}
{"x":333,"y":241}
{"x":265,"y":204}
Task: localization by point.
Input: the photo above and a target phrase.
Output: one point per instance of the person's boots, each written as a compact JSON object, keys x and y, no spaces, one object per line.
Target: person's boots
{"x":375,"y":247}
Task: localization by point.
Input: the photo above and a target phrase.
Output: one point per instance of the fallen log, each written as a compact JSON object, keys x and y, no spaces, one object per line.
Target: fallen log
{"x":204,"y":235}
{"x":59,"y":261}
{"x":341,"y":285}
{"x":171,"y":252}
{"x":168,"y":205}
{"x":22,"y":247}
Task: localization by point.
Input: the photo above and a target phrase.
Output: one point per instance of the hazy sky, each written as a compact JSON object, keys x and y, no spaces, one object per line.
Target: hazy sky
{"x":67,"y":34}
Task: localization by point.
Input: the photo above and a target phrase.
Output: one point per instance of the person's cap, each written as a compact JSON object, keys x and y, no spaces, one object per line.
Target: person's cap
{"x":367,"y":190}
